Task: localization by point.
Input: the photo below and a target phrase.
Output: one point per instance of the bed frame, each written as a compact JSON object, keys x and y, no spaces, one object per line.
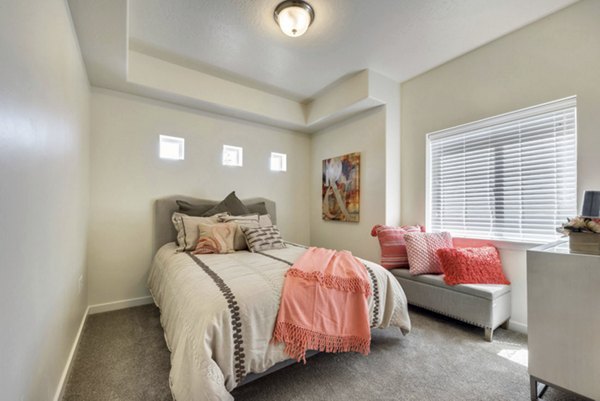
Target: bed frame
{"x":164,"y":232}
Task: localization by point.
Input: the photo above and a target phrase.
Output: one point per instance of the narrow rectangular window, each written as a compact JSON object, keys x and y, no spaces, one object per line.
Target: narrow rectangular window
{"x":171,"y":147}
{"x":278,"y":161}
{"x":511,"y":177}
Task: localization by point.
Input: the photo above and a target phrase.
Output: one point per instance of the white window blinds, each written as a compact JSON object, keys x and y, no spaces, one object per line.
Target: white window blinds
{"x":511,"y":177}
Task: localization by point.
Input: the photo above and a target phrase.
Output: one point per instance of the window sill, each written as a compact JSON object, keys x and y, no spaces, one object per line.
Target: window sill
{"x":500,"y":244}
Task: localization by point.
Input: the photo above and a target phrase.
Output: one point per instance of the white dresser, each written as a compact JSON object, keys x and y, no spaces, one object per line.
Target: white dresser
{"x":563,"y":302}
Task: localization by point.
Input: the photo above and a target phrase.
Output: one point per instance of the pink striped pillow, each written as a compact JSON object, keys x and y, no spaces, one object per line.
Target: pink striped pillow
{"x":393,"y":248}
{"x":421,"y":249}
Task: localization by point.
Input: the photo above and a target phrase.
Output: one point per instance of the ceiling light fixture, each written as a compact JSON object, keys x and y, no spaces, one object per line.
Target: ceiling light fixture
{"x":294,"y":17}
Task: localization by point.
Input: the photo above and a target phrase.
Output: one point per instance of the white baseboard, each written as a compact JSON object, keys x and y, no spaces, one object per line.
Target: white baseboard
{"x":517,"y":326}
{"x":90,"y":310}
{"x":65,"y":374}
{"x":122,"y":304}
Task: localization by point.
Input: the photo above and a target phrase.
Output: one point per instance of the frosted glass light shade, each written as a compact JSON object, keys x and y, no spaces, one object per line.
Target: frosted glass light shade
{"x":294,"y":17}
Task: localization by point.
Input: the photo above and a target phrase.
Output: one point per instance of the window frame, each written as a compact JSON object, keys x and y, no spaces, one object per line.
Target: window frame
{"x":162,"y":139}
{"x":556,"y":105}
{"x":283,"y":158}
{"x":238,"y":149}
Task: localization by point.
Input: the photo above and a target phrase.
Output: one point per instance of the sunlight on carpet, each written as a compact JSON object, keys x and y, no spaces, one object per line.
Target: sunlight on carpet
{"x":519,"y":356}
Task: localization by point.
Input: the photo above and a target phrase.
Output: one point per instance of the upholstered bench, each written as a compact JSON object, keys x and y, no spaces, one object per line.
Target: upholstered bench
{"x":483,"y":305}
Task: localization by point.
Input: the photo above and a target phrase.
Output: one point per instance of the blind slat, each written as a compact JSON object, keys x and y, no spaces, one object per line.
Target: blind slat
{"x":510,"y":177}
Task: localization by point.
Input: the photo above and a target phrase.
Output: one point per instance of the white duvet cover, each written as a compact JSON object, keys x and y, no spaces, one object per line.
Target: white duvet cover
{"x":218,"y":314}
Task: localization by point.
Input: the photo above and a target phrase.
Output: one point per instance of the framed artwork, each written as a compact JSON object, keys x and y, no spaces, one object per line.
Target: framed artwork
{"x":340,"y":192}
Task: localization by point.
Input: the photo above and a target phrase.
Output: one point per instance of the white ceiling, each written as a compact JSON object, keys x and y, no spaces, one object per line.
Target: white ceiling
{"x":238,"y":39}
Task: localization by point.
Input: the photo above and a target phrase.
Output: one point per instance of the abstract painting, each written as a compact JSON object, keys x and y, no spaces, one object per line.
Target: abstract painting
{"x":341,"y":188}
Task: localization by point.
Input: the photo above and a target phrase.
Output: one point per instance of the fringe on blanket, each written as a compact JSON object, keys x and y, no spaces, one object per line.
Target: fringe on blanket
{"x":355,"y":284}
{"x":298,"y":340}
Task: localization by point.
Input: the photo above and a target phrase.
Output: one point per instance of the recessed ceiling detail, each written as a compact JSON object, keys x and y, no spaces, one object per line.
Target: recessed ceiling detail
{"x":399,"y":39}
{"x":237,"y":45}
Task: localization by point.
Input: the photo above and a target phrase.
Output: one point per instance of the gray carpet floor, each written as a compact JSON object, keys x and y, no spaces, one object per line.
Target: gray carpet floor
{"x":123,"y":357}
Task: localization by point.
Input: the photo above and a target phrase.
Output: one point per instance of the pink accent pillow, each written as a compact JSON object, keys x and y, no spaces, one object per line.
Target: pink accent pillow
{"x":391,"y":241}
{"x":216,"y":238}
{"x":472,"y":266}
{"x":421,"y":248}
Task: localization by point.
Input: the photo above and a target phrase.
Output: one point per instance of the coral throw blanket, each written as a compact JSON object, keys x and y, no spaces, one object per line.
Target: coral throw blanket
{"x":324,"y":305}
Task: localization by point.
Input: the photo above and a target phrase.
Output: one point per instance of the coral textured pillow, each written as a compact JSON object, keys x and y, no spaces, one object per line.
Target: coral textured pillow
{"x":471,"y":266}
{"x":393,"y":247}
{"x":421,"y":250}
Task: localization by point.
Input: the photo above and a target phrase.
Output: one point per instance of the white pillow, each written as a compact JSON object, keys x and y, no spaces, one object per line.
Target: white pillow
{"x":252,"y":220}
{"x":264,"y":220}
{"x":187,"y":229}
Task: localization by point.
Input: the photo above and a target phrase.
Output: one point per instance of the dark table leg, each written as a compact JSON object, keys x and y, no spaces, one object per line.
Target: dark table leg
{"x":536,"y":388}
{"x":533,"y":388}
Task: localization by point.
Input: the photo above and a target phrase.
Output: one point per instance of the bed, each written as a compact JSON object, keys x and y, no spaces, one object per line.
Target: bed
{"x":218,"y":310}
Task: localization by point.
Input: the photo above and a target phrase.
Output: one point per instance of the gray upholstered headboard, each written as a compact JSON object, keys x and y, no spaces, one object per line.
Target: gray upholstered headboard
{"x":164,"y":232}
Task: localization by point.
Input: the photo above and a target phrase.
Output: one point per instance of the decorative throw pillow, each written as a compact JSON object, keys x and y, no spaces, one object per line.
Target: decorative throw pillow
{"x":198,"y":208}
{"x":263,"y":238}
{"x":264,"y":220}
{"x":393,"y":247}
{"x":187,"y":229}
{"x":421,"y":248}
{"x":215,"y":238}
{"x":259,"y":207}
{"x":251,"y":220}
{"x":231,"y":204}
{"x":471,"y":265}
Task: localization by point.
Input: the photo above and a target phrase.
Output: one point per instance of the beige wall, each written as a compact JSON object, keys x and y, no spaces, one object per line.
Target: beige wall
{"x":553,"y":58}
{"x":364,"y":133}
{"x":127,"y":176}
{"x":388,"y":92}
{"x":44,"y":120}
{"x":376,"y":135}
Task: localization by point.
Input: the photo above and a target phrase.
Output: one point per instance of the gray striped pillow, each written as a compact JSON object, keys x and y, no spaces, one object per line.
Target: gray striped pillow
{"x":263,"y":238}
